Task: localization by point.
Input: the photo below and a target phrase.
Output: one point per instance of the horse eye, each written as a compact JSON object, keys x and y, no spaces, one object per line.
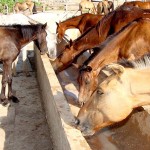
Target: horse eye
{"x":87,"y":82}
{"x":100,"y":92}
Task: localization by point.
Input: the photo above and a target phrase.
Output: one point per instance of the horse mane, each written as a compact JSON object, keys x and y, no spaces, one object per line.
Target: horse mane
{"x":141,"y":63}
{"x":82,"y":35}
{"x":101,"y":25}
{"x":73,"y":17}
{"x":27,"y":31}
{"x":99,"y":47}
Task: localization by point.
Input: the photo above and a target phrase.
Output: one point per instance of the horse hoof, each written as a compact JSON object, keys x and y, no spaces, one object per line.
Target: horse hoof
{"x":4,"y":102}
{"x":28,"y":75}
{"x":14,"y":99}
{"x":15,"y":75}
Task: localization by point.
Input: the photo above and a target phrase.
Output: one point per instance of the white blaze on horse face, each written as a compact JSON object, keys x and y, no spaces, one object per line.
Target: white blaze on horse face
{"x":51,"y":39}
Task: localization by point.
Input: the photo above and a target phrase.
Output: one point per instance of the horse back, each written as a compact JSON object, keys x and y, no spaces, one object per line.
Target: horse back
{"x":143,"y":5}
{"x":88,"y":21}
{"x":138,"y":41}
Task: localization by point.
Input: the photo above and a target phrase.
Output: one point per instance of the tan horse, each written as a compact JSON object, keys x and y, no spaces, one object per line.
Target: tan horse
{"x":87,"y":7}
{"x":143,"y":5}
{"x":120,"y":90}
{"x":23,"y":6}
{"x":104,"y":7}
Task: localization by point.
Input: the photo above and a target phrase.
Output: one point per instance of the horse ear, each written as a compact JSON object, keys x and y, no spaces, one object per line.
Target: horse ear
{"x":77,"y":66}
{"x":116,"y":68}
{"x":31,"y":23}
{"x":57,"y":23}
{"x":45,"y":25}
{"x":70,"y":42}
{"x":106,"y":72}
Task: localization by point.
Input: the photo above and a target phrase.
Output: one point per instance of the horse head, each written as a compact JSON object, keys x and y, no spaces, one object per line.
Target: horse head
{"x":87,"y":82}
{"x":41,"y":40}
{"x":104,"y":106}
{"x":60,"y":32}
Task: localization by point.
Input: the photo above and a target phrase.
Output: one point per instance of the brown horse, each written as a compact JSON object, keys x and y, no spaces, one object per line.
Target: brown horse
{"x":86,"y":6}
{"x":23,"y":6}
{"x":81,"y":22}
{"x":12,"y":39}
{"x":131,"y":42}
{"x":105,"y":7}
{"x":124,"y":88}
{"x":109,"y":24}
{"x":143,"y":5}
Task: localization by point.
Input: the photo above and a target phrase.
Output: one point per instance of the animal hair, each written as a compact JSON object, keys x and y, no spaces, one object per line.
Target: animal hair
{"x":100,"y":47}
{"x":143,"y":62}
{"x":26,"y":30}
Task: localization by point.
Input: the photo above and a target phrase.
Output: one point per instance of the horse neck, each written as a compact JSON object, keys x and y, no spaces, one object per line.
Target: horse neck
{"x":85,"y":42}
{"x":109,"y":50}
{"x":139,"y":91}
{"x":71,"y":23}
{"x":104,"y":26}
{"x":27,"y":36}
{"x":142,"y":76}
{"x":98,"y":34}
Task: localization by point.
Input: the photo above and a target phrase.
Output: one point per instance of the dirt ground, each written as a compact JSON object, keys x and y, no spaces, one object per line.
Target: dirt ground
{"x":23,"y":126}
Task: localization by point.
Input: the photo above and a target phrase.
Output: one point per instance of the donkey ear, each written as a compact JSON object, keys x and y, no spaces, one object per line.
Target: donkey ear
{"x":118,"y":69}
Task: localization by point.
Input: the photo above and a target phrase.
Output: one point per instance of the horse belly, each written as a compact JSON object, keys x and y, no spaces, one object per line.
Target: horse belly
{"x":23,"y":7}
{"x":8,"y":49}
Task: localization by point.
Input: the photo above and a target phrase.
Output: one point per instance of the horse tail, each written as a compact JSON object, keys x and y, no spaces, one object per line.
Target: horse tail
{"x":94,"y":9}
{"x":99,"y":8}
{"x":34,"y":10}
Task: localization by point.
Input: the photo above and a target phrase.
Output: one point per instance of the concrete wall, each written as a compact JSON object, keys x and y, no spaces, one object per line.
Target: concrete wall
{"x":59,"y":116}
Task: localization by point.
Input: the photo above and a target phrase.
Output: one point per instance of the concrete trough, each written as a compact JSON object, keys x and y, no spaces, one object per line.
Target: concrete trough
{"x":58,"y":113}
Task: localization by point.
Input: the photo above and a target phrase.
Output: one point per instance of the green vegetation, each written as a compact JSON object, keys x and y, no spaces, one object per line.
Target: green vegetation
{"x":10,"y":4}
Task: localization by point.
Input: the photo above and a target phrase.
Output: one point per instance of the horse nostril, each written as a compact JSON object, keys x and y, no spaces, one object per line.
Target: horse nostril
{"x":81,"y":104}
{"x":77,"y":121}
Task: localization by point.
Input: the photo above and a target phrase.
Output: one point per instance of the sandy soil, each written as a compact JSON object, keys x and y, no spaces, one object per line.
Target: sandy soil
{"x":23,"y":126}
{"x":130,"y":134}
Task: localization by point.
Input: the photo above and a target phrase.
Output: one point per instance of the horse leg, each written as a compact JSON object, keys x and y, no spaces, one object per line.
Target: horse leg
{"x":24,"y":58}
{"x":4,"y":83}
{"x":14,"y":67}
{"x":9,"y":81}
{"x":106,"y":11}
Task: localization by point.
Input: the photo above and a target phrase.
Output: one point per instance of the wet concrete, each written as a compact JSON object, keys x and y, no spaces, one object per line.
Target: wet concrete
{"x":131,"y":134}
